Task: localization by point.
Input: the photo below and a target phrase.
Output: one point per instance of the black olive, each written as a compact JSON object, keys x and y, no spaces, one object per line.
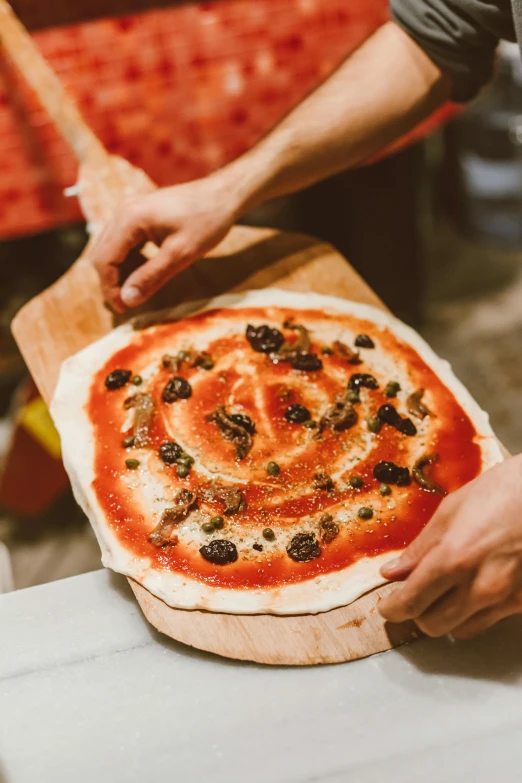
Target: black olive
{"x":297,"y":414}
{"x":385,"y":472}
{"x":170,"y":452}
{"x":219,"y":552}
{"x":304,"y":547}
{"x":169,"y":394}
{"x":176,"y":389}
{"x":264,"y":339}
{"x":307,"y":362}
{"x":389,"y":473}
{"x":362,"y":379}
{"x":403,"y":477}
{"x":390,"y":415}
{"x":244,"y":421}
{"x":408,"y":427}
{"x":117,"y":379}
{"x":258,"y":547}
{"x":364,"y":341}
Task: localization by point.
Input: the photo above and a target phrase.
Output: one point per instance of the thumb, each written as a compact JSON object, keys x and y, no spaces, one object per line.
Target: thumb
{"x":430,"y":536}
{"x":170,"y":259}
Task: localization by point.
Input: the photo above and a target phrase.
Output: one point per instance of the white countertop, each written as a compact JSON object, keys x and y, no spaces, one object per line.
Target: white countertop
{"x":89,"y":693}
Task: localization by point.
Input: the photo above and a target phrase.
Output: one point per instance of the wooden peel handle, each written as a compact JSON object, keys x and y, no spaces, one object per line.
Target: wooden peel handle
{"x":61,"y":108}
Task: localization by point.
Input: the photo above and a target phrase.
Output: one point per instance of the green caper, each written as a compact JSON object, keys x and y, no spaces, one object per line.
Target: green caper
{"x":137,"y":380}
{"x":128,"y":442}
{"x":310,"y":424}
{"x":352,"y":395}
{"x":326,"y":351}
{"x":356,"y":482}
{"x":273,"y":469}
{"x":186,"y":459}
{"x":182,"y":355}
{"x":182,"y":470}
{"x":391,"y":389}
{"x":385,"y":489}
{"x":374,"y":424}
{"x":217,"y":522}
{"x":207,"y":527}
{"x":207,"y":364}
{"x":365,"y":513}
{"x":269,"y":534}
{"x":132,"y":464}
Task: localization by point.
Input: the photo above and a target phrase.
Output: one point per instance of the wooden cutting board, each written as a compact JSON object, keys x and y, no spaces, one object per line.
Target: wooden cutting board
{"x":71,"y":314}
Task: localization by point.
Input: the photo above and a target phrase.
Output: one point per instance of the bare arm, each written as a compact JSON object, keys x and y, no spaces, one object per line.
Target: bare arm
{"x":383,"y":90}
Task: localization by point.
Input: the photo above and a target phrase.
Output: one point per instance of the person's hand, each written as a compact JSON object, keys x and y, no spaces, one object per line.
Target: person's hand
{"x":185,"y":221}
{"x":463,"y":573}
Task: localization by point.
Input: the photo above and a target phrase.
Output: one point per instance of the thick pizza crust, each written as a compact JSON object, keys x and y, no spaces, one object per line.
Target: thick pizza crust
{"x":320,"y":594}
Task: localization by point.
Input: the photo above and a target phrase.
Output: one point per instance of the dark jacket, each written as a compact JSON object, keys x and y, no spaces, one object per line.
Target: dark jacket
{"x":461,"y":36}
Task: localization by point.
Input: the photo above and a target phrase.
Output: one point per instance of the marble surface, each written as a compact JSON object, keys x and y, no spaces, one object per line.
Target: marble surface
{"x":89,"y":692}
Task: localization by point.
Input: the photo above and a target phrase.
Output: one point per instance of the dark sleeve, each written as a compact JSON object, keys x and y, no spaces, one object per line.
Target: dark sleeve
{"x":460,"y":36}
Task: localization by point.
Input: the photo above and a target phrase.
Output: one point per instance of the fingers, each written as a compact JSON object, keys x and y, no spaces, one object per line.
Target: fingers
{"x":472,"y":593}
{"x":489,"y":587}
{"x":171,"y":258}
{"x":425,"y":585}
{"x":429,"y":537}
{"x":497,"y":595}
{"x":485,"y":619}
{"x":126,"y":230}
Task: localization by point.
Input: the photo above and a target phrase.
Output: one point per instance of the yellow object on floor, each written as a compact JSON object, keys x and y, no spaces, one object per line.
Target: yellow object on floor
{"x":36,"y":420}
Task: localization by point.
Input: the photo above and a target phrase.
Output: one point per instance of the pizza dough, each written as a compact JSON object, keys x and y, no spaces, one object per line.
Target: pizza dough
{"x":268,"y":473}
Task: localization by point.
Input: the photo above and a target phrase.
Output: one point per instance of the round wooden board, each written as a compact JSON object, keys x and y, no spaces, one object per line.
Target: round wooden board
{"x":343,"y":634}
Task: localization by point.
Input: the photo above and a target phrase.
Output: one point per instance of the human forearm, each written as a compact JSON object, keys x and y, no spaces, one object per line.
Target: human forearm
{"x":383,"y":90}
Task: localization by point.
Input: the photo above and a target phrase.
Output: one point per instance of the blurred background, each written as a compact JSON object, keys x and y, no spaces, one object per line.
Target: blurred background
{"x":179,"y":89}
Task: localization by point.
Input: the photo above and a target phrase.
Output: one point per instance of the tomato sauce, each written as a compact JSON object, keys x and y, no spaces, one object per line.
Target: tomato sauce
{"x":281,"y":502}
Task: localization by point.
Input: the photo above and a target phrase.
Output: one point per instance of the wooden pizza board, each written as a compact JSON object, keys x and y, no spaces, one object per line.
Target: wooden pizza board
{"x":70,"y":314}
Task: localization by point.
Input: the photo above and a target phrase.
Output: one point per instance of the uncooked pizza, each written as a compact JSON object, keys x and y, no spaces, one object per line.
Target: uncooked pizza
{"x":265,"y":453}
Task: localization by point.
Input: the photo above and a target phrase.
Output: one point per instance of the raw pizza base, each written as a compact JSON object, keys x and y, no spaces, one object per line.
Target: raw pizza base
{"x":319,"y":594}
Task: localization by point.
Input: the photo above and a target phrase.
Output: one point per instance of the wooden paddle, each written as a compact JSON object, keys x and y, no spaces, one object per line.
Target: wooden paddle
{"x":104,"y":180}
{"x":70,"y":315}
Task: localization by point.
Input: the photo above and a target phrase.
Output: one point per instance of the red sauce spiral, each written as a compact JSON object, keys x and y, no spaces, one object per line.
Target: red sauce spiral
{"x":248,"y":382}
